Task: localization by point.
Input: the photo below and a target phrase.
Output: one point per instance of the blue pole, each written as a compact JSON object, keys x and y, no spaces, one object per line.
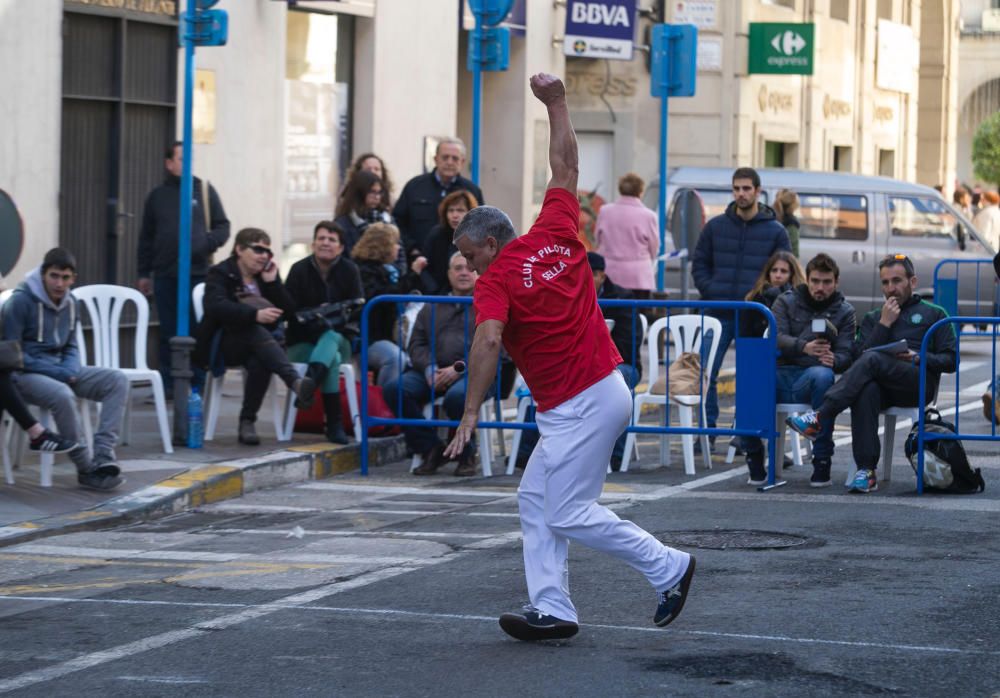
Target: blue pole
{"x":187,"y":194}
{"x":663,"y":190}
{"x":477,"y":96}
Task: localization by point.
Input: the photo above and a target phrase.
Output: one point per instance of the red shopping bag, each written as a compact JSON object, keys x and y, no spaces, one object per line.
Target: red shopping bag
{"x":311,"y":421}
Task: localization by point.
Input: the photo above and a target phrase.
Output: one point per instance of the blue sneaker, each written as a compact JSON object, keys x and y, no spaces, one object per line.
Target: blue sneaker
{"x":805,"y":424}
{"x":671,"y":601}
{"x":864,"y":482}
{"x":531,"y":626}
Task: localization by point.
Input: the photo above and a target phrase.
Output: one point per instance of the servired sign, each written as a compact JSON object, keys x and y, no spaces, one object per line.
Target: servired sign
{"x":600,"y":29}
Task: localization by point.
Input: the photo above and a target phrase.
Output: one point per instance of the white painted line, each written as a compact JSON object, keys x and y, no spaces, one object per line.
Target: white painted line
{"x":160,"y":679}
{"x":262,"y":508}
{"x":93,"y":659}
{"x":390,"y":489}
{"x":355,"y":534}
{"x":970,"y":504}
{"x":299,"y":601}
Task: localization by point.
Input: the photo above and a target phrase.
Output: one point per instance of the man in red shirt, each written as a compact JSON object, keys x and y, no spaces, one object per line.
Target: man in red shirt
{"x":535,"y":296}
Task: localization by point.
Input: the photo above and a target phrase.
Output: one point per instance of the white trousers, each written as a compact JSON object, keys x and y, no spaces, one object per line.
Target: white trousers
{"x":558,"y":496}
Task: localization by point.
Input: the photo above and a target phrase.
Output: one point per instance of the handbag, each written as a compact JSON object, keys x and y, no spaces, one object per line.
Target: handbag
{"x":11,"y":356}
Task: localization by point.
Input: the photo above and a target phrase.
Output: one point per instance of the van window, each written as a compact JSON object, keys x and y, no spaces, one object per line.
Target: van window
{"x":716,"y":201}
{"x":833,"y":216}
{"x":920,"y":217}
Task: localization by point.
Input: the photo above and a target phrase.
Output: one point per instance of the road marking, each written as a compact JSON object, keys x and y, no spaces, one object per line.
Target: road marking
{"x":160,"y":679}
{"x":262,"y":508}
{"x":353,"y":534}
{"x":257,"y":610}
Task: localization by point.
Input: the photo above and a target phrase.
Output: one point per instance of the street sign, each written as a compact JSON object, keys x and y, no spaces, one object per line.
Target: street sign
{"x":600,"y":29}
{"x":208,"y":28}
{"x":673,"y":68}
{"x":783,"y":49}
{"x":491,"y":12}
{"x":489,"y":49}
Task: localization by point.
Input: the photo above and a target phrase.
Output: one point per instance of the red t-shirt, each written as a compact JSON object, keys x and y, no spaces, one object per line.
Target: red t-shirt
{"x":541,"y":287}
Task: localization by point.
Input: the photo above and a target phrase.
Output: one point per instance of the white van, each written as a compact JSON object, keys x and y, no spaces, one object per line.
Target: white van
{"x":857,"y":220}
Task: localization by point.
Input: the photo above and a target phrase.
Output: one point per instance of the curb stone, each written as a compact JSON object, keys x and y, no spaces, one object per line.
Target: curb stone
{"x":210,"y":483}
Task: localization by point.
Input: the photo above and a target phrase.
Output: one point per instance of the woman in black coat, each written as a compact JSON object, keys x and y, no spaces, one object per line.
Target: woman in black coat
{"x":245,"y":303}
{"x":440,"y":247}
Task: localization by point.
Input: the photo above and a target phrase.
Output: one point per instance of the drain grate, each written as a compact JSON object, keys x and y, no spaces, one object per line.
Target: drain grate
{"x":736,"y":539}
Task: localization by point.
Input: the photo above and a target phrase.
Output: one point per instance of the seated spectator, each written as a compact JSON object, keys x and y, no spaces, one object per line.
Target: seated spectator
{"x":416,"y":210}
{"x":878,"y":380}
{"x":627,"y":337}
{"x":433,"y":352}
{"x":628,"y":237}
{"x":40,"y":439}
{"x":42,"y":315}
{"x":808,"y":359}
{"x":439,"y":244}
{"x":244,"y":304}
{"x":325,"y":276}
{"x":374,"y":254}
{"x":361,"y":204}
{"x":370,"y":162}
{"x":781,"y":273}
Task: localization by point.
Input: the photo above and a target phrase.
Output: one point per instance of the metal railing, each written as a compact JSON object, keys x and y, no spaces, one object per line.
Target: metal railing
{"x":756,"y":356}
{"x":948,"y":289}
{"x":922,"y":435}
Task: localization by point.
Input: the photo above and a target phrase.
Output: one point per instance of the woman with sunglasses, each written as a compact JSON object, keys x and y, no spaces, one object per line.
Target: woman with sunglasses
{"x":245,"y":303}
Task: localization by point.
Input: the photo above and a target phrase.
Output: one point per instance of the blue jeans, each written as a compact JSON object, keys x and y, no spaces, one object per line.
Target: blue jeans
{"x":415,"y":394}
{"x":529,"y":437}
{"x":712,"y":398}
{"x":804,"y":385}
{"x":387,"y":361}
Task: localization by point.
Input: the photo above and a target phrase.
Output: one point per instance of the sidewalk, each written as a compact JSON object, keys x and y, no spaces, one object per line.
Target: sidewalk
{"x":158,"y":484}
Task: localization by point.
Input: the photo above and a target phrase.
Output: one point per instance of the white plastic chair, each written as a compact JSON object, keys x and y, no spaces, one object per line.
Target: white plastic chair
{"x":890,"y":416}
{"x":105,"y":303}
{"x":687,"y":332}
{"x":289,"y":412}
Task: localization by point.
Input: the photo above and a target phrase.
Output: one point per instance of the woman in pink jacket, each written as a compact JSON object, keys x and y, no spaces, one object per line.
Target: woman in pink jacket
{"x":628,"y":238}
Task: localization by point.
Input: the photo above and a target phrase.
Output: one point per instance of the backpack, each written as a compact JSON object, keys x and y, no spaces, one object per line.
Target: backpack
{"x":946,"y":466}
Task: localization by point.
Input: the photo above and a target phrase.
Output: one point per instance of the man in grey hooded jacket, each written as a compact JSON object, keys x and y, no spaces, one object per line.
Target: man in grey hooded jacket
{"x":42,"y":315}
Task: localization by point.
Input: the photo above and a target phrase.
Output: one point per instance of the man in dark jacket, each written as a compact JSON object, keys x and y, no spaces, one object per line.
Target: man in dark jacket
{"x":731,"y":251}
{"x":158,"y":240}
{"x":433,"y":352}
{"x":883,"y":375}
{"x":325,"y":276}
{"x":810,"y":356}
{"x":416,"y":210}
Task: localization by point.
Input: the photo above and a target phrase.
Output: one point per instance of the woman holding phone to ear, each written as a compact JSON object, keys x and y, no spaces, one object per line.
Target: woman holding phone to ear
{"x":245,"y":304}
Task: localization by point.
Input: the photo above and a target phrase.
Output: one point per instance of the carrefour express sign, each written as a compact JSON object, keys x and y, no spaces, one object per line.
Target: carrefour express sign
{"x":600,"y":29}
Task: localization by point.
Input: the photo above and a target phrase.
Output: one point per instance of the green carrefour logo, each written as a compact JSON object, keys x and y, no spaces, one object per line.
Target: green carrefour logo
{"x":781,"y":48}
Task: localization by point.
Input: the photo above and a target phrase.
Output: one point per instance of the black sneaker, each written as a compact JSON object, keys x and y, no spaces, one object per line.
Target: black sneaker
{"x":103,"y":479}
{"x":50,"y":442}
{"x":531,"y":625}
{"x":758,"y":472}
{"x":821,"y":473}
{"x":671,"y":601}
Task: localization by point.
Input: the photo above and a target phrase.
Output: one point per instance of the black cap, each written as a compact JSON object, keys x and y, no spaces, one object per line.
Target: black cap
{"x":596,"y":261}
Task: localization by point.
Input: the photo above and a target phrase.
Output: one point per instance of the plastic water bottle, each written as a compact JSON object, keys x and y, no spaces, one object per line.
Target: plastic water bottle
{"x":195,"y":420}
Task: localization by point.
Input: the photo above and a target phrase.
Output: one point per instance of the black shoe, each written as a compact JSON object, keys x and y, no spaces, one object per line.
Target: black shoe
{"x":247,"y":433}
{"x":671,"y":601}
{"x":531,"y":626}
{"x":616,"y":464}
{"x":466,"y":464}
{"x":521,"y":462}
{"x":103,"y":478}
{"x":305,"y":393}
{"x":433,"y":460}
{"x":318,"y":372}
{"x":758,"y":472}
{"x":331,"y":411}
{"x":821,"y":473}
{"x":50,"y":442}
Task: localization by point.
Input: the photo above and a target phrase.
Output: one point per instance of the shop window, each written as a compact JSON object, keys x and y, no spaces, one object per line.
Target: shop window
{"x":920,"y":217}
{"x":779,"y":154}
{"x":887,"y":163}
{"x":840,"y":9}
{"x":842,"y":158}
{"x":833,"y":216}
{"x":885,"y":9}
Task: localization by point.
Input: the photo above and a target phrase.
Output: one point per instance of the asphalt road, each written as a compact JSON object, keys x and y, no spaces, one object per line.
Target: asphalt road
{"x":391,"y":586}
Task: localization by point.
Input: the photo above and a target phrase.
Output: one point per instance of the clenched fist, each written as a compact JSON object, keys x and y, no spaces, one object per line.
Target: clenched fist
{"x":547,"y":88}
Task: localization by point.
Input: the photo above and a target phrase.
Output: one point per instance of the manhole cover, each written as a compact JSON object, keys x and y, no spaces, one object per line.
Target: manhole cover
{"x":735,"y":540}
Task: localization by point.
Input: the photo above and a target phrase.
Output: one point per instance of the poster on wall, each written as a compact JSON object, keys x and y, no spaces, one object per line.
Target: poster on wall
{"x":203,"y":106}
{"x":701,"y":13}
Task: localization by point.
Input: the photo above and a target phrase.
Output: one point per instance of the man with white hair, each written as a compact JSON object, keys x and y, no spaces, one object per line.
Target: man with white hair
{"x":416,"y":210}
{"x":535,"y":297}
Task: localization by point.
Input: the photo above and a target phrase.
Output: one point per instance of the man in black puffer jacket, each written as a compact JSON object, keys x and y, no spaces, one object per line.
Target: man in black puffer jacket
{"x":731,"y":251}
{"x":809,"y":359}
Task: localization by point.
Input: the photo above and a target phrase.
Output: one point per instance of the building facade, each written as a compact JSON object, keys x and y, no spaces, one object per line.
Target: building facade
{"x":302,"y":87}
{"x":979,"y":78}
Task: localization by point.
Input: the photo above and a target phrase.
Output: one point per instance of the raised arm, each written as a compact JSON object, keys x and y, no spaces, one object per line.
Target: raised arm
{"x":563,"y":155}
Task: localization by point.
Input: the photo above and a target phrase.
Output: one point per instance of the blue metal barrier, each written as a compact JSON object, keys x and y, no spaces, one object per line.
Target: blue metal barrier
{"x":755,"y":356}
{"x":948,"y":292}
{"x":922,"y":436}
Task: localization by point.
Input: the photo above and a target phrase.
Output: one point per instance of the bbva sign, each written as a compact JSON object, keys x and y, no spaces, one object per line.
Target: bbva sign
{"x":600,"y":13}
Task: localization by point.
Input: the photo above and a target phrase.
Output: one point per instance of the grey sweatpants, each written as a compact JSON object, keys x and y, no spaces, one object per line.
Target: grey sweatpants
{"x":104,"y":385}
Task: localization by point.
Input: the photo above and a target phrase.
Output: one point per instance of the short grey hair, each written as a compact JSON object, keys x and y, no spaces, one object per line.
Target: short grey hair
{"x":484,"y":222}
{"x":450,"y":140}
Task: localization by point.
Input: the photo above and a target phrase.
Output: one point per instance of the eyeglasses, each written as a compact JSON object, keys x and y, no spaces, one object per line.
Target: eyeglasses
{"x":260,"y":249}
